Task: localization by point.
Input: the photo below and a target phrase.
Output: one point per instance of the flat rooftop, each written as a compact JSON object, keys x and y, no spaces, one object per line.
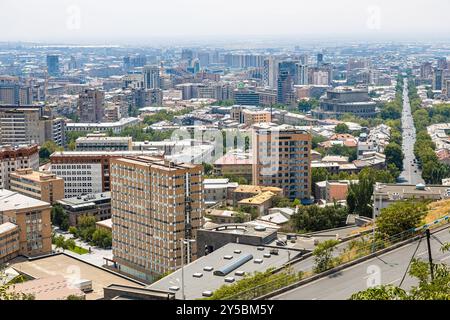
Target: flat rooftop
{"x":10,"y":200}
{"x":247,"y":228}
{"x":395,"y":191}
{"x":89,"y":198}
{"x":194,"y":287}
{"x":7,"y":226}
{"x":50,"y":288}
{"x":71,"y":268}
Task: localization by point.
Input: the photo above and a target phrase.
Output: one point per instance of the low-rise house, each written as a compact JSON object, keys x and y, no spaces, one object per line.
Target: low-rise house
{"x":227,"y":216}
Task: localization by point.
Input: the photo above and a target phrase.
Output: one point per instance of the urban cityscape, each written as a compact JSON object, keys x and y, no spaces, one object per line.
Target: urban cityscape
{"x":287,"y":165}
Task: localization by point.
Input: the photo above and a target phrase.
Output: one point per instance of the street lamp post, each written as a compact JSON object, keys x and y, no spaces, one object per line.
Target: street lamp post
{"x":183,"y":242}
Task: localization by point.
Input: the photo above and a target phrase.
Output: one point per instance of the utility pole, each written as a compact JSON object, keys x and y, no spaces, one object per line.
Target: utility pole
{"x":430,"y":258}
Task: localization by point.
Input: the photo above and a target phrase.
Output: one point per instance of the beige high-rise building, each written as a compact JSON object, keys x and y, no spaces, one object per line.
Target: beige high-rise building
{"x":154,"y":204}
{"x":281,"y":158}
{"x":44,"y":186}
{"x":32,"y":216}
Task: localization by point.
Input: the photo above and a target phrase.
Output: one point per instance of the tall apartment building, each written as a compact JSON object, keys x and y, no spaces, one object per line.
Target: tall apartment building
{"x":37,"y":184}
{"x":86,"y":172}
{"x":270,"y":72}
{"x":152,"y":79}
{"x":27,"y":125}
{"x":53,"y":64}
{"x":154,"y":205}
{"x":91,"y":105}
{"x":15,"y":94}
{"x":32,"y":217}
{"x":281,"y":158}
{"x":15,"y":158}
{"x":20,"y":126}
{"x":285,"y":93}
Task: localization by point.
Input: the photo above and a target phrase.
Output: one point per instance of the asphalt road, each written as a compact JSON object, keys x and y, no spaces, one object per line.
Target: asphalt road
{"x":411,"y":173}
{"x":385,"y":269}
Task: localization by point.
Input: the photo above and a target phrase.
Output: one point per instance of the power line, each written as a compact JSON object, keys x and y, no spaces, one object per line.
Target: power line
{"x":410,"y":261}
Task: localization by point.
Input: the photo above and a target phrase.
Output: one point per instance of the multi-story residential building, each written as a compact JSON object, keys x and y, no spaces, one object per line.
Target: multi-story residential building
{"x":32,"y":216}
{"x":234,"y":164}
{"x":91,"y":106}
{"x":40,"y":185}
{"x":256,"y":116}
{"x":97,"y":205}
{"x":100,"y":142}
{"x":53,"y":130}
{"x":217,"y":190}
{"x":285,"y":93}
{"x":152,"y":79}
{"x":342,"y":100}
{"x":281,"y":158}
{"x":147,"y":97}
{"x":86,"y":172}
{"x":15,"y":94}
{"x":154,"y":204}
{"x":27,"y":125}
{"x":14,"y":158}
{"x":20,"y":125}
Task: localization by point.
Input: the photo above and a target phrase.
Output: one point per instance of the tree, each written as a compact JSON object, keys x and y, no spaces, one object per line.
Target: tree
{"x":400,"y":216}
{"x":314,"y":218}
{"x":341,"y":128}
{"x":207,"y":168}
{"x":323,"y":255}
{"x":60,"y":242}
{"x":307,"y":105}
{"x":70,"y":244}
{"x":359,"y":197}
{"x":60,"y":217}
{"x":394,"y":155}
{"x":47,"y":149}
{"x":73,"y":231}
{"x":102,"y":238}
{"x":86,"y":227}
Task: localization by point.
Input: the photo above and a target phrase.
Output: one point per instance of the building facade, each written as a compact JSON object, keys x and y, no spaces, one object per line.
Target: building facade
{"x":32,"y":216}
{"x":15,"y":158}
{"x":91,"y":106}
{"x":281,"y":158}
{"x":155,"y":203}
{"x":36,"y":184}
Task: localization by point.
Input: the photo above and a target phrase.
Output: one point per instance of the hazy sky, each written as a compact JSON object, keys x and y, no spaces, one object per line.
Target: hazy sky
{"x":121,"y":21}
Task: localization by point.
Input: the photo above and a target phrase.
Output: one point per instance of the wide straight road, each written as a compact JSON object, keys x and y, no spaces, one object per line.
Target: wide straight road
{"x":385,"y":269}
{"x":411,"y":173}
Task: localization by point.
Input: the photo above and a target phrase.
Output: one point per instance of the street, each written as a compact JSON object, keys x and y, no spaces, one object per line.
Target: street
{"x":411,"y":174}
{"x":385,"y":269}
